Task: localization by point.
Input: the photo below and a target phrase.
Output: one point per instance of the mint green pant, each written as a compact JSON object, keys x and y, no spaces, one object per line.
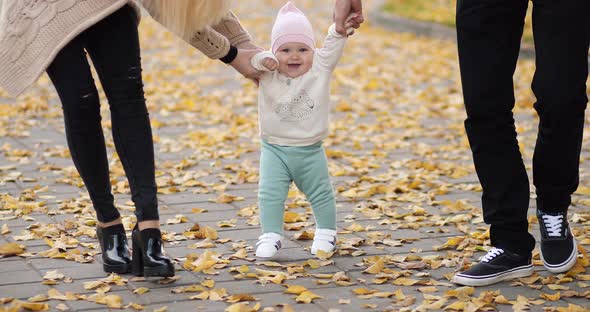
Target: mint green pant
{"x":307,"y":166}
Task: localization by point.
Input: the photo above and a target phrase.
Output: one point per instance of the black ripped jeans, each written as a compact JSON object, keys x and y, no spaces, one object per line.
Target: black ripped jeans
{"x":113,"y":46}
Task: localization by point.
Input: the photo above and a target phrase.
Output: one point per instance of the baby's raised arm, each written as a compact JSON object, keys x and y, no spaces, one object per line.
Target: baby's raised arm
{"x":329,"y":55}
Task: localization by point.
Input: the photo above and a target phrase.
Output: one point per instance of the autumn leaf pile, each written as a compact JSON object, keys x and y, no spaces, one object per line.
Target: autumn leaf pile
{"x":407,"y":194}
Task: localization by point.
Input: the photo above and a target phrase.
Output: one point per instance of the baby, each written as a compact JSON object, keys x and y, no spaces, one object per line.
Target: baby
{"x":294,"y":106}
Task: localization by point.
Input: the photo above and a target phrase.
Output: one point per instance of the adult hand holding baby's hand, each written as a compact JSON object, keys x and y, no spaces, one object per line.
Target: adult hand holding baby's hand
{"x":270,"y":64}
{"x":242,"y":64}
{"x":343,"y":9}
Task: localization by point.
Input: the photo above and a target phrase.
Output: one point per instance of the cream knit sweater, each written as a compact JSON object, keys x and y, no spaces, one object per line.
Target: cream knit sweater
{"x":295,"y":111}
{"x":32,"y":32}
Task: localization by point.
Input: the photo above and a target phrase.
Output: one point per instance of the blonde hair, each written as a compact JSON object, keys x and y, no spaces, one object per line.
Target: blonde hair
{"x":185,"y":17}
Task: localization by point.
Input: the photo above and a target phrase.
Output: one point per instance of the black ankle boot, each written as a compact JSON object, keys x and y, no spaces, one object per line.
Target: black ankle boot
{"x":148,"y":257}
{"x":115,"y":253}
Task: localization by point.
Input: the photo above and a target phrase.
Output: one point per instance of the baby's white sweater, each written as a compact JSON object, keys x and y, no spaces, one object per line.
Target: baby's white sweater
{"x":295,"y":111}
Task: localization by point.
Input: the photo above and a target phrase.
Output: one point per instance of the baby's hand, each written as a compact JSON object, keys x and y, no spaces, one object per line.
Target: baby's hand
{"x":270,"y":64}
{"x":349,"y":22}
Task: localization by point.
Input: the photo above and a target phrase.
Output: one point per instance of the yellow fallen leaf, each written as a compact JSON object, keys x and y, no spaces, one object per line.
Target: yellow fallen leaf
{"x":554,"y":297}
{"x":307,"y":297}
{"x":363,"y":291}
{"x":583,"y":190}
{"x":462,"y":293}
{"x":243,"y":307}
{"x":427,"y":289}
{"x":399,"y":294}
{"x":295,"y":289}
{"x":31,"y":306}
{"x":240,"y":298}
{"x":227,"y":198}
{"x":38,"y":298}
{"x":457,"y":305}
{"x":305,"y":235}
{"x":141,"y":290}
{"x":11,"y":249}
{"x":323,"y":255}
{"x":557,"y":287}
{"x":376,"y":268}
{"x":292,"y":217}
{"x":53,"y":275}
{"x":135,"y":306}
{"x":501,"y":300}
{"x":217,"y":294}
{"x":208,"y":283}
{"x":403,"y":281}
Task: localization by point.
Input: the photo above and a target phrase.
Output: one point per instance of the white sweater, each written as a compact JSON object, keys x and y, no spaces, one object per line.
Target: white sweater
{"x":295,"y":111}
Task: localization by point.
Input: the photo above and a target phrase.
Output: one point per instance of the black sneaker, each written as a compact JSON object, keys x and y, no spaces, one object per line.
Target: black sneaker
{"x":558,"y":246}
{"x":496,"y":266}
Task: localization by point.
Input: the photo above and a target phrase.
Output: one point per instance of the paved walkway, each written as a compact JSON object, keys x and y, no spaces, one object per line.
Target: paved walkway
{"x":408,"y":198}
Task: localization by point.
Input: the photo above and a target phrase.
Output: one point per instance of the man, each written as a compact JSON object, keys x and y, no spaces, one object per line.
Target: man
{"x":488,"y":35}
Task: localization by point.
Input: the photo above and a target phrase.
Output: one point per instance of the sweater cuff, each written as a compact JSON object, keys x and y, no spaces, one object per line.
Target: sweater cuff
{"x":211,"y":43}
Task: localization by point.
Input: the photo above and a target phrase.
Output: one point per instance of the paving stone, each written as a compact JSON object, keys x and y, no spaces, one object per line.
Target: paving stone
{"x":249,"y":287}
{"x":50,"y":264}
{"x":276,"y":300}
{"x":23,"y":291}
{"x":19,"y":277}
{"x":14,"y":264}
{"x":190,"y":305}
{"x":183,"y":198}
{"x":91,"y":271}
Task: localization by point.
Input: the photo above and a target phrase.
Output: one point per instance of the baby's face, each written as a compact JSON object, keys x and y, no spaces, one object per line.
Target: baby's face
{"x":295,"y":59}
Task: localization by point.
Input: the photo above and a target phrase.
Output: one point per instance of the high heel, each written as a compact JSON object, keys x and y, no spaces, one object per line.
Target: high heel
{"x":148,"y":258}
{"x":113,"y":244}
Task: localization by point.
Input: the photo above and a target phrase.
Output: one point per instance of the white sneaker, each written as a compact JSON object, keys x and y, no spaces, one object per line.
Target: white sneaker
{"x":268,"y":244}
{"x":325,"y":240}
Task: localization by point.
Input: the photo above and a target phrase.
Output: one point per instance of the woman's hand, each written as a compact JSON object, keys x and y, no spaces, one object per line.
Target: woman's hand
{"x":242,"y":64}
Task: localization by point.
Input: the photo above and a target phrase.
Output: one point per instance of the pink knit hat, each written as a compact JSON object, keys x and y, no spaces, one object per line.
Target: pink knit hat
{"x":291,"y":25}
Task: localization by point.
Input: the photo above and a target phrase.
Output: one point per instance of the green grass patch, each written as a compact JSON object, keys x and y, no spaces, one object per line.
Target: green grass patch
{"x":438,"y":11}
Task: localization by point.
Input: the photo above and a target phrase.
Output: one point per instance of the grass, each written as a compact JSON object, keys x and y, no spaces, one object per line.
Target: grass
{"x":439,"y":11}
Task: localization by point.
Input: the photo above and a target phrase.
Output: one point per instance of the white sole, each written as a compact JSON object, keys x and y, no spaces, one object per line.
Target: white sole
{"x":566,"y":265}
{"x":522,"y":271}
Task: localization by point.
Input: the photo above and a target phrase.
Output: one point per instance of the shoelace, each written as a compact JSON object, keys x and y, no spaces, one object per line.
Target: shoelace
{"x":493,"y":253}
{"x":553,"y":224}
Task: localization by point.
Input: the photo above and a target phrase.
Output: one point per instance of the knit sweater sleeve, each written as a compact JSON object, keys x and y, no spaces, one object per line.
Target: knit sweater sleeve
{"x":328,"y":56}
{"x":230,"y":28}
{"x":258,"y":58}
{"x":213,"y":44}
{"x":210,"y":42}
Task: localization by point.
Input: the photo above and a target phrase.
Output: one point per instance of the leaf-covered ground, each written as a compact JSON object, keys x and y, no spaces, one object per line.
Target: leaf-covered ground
{"x":408,"y":199}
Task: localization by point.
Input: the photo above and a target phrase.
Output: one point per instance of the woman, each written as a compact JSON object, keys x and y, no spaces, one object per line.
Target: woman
{"x":54,"y":36}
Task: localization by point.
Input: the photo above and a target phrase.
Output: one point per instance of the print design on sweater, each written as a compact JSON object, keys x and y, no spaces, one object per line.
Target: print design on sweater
{"x":299,"y":108}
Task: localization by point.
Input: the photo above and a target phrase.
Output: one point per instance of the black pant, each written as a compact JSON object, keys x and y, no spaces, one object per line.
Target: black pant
{"x":489,"y":34}
{"x":113,"y":46}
